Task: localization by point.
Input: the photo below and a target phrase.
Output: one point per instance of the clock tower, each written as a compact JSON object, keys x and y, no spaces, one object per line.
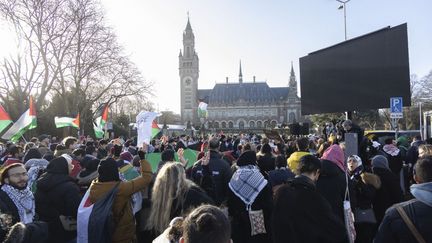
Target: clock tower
{"x":189,"y":73}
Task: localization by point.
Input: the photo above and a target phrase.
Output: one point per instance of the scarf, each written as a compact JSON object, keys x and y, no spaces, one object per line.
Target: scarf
{"x":391,"y":149}
{"x":423,"y":192}
{"x":23,"y":200}
{"x":246,"y":183}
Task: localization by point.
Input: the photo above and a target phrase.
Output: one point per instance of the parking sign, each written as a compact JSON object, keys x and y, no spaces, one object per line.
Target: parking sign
{"x":396,"y":107}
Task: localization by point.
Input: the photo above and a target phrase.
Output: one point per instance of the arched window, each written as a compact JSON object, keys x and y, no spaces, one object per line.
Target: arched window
{"x":266,"y":124}
{"x":223,"y":124}
{"x":241,"y":125}
{"x":251,"y":124}
{"x":230,"y":124}
{"x":292,"y":117}
{"x":273,"y":124}
{"x":259,"y":124}
{"x":216,"y":124}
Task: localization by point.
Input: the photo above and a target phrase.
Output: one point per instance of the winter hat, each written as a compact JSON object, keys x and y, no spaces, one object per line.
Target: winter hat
{"x":335,"y":154}
{"x":92,"y":165}
{"x":380,"y":161}
{"x":126,"y":156}
{"x":108,"y":170}
{"x":87,"y":158}
{"x":355,"y":158}
{"x":32,"y":153}
{"x":247,"y":158}
{"x":58,"y":166}
{"x":10,"y":161}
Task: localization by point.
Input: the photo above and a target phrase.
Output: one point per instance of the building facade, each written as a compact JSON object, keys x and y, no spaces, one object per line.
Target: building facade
{"x":238,"y":105}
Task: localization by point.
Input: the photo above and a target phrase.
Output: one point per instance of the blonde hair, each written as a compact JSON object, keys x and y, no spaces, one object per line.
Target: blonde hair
{"x":427,"y":148}
{"x":170,"y":184}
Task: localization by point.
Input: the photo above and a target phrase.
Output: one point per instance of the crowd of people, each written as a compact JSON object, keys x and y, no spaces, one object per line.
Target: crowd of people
{"x":241,"y":188}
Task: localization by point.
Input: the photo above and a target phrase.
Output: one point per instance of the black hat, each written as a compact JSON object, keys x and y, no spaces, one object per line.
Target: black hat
{"x":108,"y":170}
{"x":43,"y":136}
{"x":247,"y":158}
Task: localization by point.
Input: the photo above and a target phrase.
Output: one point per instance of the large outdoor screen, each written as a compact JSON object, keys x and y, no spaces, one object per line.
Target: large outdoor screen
{"x":358,"y":74}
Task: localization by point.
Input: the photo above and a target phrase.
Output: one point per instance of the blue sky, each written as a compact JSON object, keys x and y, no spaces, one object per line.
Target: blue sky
{"x":265,"y":35}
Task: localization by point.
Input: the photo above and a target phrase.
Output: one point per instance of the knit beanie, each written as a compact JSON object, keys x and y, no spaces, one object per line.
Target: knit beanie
{"x":380,"y":161}
{"x":108,"y":170}
{"x":32,"y":153}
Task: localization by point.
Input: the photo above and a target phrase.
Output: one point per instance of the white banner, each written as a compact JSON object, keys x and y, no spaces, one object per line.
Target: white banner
{"x":144,"y":126}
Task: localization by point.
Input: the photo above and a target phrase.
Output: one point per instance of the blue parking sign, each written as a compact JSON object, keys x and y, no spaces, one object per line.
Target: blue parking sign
{"x":396,"y":107}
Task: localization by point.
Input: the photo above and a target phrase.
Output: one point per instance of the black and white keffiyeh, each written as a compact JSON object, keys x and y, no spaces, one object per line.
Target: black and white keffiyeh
{"x":246,"y":183}
{"x":23,"y":200}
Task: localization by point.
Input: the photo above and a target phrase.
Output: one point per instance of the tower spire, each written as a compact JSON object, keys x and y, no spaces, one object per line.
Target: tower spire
{"x":188,"y":25}
{"x":292,"y":69}
{"x":240,"y":74}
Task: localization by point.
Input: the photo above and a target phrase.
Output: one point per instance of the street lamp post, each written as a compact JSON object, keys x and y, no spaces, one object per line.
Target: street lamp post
{"x":348,"y":114}
{"x":344,"y":2}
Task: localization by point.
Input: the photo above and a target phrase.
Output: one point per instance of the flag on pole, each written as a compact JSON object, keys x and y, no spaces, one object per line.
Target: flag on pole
{"x":144,"y":123}
{"x":67,"y":121}
{"x":26,"y":122}
{"x":202,"y":110}
{"x":100,"y":121}
{"x":5,"y":119}
{"x":155,"y":129}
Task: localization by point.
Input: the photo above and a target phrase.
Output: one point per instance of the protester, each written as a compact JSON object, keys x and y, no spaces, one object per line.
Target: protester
{"x":57,"y":199}
{"x":250,"y":195}
{"x":394,"y":156}
{"x":206,"y":224}
{"x":266,"y":159}
{"x":424,"y":150}
{"x":89,"y":173}
{"x":364,"y":185}
{"x":332,"y":181}
{"x":124,"y":230}
{"x":302,"y":150}
{"x":394,"y":228}
{"x":172,"y":196}
{"x":281,"y":174}
{"x":390,"y":192}
{"x":301,"y":214}
{"x":220,"y":171}
{"x":16,"y":200}
{"x":43,"y":146}
{"x":32,"y":153}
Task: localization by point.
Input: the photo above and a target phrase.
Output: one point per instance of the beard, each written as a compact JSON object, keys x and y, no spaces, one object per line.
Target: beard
{"x":16,"y":185}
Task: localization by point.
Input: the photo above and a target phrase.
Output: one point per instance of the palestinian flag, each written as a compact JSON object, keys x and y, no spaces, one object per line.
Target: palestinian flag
{"x":100,"y":121}
{"x":67,"y":121}
{"x":155,"y":129}
{"x":202,"y":110}
{"x":5,"y":119}
{"x":26,"y":122}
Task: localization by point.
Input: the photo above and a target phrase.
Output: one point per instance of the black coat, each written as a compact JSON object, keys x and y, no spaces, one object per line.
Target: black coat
{"x":220,"y":176}
{"x":332,"y":186}
{"x":57,"y":194}
{"x":301,"y":214}
{"x":8,"y":210}
{"x":388,"y":194}
{"x":240,"y":223}
{"x":395,"y":163}
{"x":393,"y":229}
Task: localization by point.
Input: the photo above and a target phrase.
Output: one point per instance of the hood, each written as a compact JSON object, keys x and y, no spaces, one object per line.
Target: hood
{"x":329,"y":168}
{"x":403,"y":142}
{"x":58,"y":166}
{"x":302,"y":181}
{"x":423,"y":192}
{"x":48,"y":181}
{"x":335,"y":154}
{"x":371,"y":179}
{"x":32,"y":153}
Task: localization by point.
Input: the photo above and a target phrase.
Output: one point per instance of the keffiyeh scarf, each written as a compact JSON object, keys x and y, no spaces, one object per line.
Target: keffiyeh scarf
{"x":23,"y":200}
{"x":246,"y":183}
